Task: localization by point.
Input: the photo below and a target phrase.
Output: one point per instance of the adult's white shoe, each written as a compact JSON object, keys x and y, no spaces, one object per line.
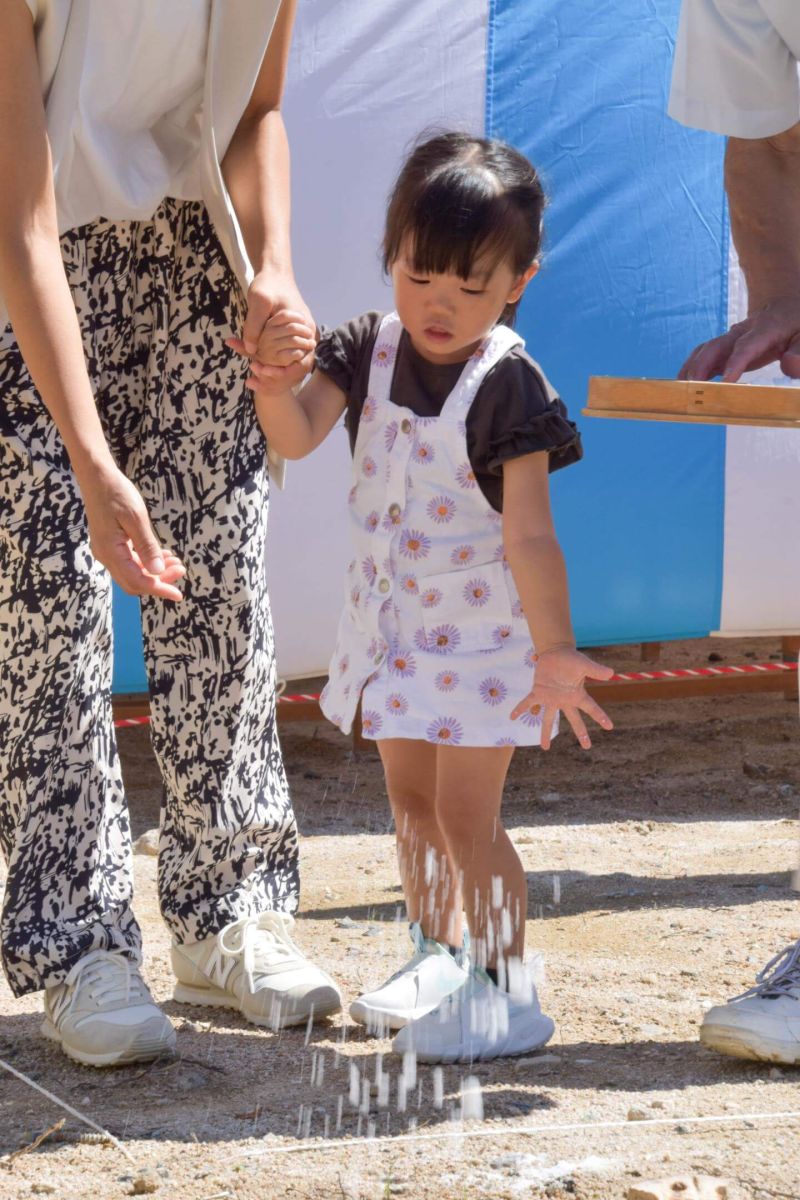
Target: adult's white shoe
{"x":764,"y":1022}
{"x":479,"y":1021}
{"x":253,"y":965}
{"x":103,"y":1015}
{"x":429,"y":976}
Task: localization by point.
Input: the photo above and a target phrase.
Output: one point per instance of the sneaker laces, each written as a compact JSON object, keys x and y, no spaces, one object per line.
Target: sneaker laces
{"x":261,"y":941}
{"x":780,"y":977}
{"x":108,"y":976}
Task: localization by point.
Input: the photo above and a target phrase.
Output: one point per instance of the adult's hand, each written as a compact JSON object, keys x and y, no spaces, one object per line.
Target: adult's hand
{"x":771,"y":335}
{"x":269,"y":296}
{"x":122,"y":538}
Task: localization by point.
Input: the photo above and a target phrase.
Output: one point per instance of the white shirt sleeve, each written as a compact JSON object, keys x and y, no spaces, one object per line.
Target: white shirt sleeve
{"x":736,"y":68}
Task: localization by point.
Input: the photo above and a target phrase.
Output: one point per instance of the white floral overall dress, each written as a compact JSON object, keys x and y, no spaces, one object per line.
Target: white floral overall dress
{"x":432,"y":637}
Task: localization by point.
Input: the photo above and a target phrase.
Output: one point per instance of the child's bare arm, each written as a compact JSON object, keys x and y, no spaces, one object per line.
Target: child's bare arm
{"x":539,"y":571}
{"x":295,"y":425}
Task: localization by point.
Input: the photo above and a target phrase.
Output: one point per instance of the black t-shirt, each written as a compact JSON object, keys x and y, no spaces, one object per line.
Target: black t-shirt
{"x":515,"y":411}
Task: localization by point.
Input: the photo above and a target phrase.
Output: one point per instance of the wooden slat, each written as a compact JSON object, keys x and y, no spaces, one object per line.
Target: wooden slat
{"x":684,"y":400}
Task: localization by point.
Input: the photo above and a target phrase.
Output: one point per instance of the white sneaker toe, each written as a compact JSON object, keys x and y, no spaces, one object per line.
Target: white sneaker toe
{"x":764,"y":1022}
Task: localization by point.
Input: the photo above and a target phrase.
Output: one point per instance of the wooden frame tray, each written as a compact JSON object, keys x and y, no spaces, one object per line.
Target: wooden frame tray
{"x":694,"y":402}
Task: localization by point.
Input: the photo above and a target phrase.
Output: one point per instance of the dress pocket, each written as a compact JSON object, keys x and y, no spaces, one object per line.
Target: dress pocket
{"x":467,"y":609}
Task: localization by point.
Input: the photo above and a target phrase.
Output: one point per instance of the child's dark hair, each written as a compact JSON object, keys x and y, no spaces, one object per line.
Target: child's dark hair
{"x":459,"y":198}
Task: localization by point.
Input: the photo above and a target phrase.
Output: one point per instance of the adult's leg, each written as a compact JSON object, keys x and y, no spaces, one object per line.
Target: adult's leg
{"x":469,"y":792}
{"x":229,"y":838}
{"x":64,"y":828}
{"x":430,"y":884}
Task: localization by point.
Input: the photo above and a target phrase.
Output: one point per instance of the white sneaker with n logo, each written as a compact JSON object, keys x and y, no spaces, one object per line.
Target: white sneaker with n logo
{"x":253,"y":965}
{"x":103,"y":1015}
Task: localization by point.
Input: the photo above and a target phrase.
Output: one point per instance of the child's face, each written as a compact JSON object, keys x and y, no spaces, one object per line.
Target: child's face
{"x":446,"y":316}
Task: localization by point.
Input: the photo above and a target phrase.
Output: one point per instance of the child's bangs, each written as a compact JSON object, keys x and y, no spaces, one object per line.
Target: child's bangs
{"x":459,"y":224}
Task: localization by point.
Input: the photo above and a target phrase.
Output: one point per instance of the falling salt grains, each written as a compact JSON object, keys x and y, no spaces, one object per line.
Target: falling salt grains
{"x":318,"y":1070}
{"x":383,"y":1091}
{"x":307,"y":1121}
{"x":438,"y":1087}
{"x":355,"y":1086}
{"x":410,"y":1068}
{"x":419,"y":1094}
{"x":339,"y":1110}
{"x":371,"y":1127}
{"x":556,"y":889}
{"x":309,"y":1025}
{"x":365,"y":1095}
{"x":471,"y":1099}
{"x":300,"y":1115}
{"x":412,"y":1124}
{"x":497,"y":891}
{"x":402,"y":1092}
{"x":326,"y":1129}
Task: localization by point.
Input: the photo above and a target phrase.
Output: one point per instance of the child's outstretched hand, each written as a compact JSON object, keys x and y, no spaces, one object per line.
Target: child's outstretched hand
{"x":559,"y":684}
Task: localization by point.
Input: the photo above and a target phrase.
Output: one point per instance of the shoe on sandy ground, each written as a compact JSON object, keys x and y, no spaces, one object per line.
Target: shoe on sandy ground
{"x":429,"y":976}
{"x":103,"y":1015}
{"x":480,"y":1021}
{"x":764,"y":1022}
{"x":253,"y":965}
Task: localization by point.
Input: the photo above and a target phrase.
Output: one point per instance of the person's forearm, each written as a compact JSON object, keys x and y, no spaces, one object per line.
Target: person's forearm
{"x":762,"y":179}
{"x":256,"y":172}
{"x":45,"y":324}
{"x":285,"y":423}
{"x":540,"y":573}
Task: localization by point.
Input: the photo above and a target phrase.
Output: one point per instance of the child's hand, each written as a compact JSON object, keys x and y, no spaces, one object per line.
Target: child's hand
{"x":285,"y":350}
{"x":559,"y":684}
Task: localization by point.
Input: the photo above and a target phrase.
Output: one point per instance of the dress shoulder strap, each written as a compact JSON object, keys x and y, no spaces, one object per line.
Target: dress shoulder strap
{"x":384,"y":355}
{"x":493,"y":347}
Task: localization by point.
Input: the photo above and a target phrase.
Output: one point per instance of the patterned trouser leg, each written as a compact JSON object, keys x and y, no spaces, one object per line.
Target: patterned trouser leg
{"x":156,"y":301}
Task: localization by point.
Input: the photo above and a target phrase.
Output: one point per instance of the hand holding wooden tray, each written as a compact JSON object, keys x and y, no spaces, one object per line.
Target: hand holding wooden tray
{"x":691,"y":401}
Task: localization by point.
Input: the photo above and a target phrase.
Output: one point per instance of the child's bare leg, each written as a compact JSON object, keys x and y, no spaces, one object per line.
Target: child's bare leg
{"x":469,"y":791}
{"x":433,"y":895}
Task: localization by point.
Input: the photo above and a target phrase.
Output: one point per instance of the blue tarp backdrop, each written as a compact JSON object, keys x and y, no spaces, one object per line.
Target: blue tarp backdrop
{"x":634,"y":274}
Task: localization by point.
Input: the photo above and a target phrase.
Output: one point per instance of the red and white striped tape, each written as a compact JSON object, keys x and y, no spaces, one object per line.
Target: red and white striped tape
{"x":626,"y":677}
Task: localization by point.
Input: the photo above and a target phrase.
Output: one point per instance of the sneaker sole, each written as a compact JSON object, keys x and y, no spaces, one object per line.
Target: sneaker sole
{"x":431,"y":1056}
{"x":324,"y":1004}
{"x":738,"y":1043}
{"x":143,"y":1048}
{"x":377,"y":1021}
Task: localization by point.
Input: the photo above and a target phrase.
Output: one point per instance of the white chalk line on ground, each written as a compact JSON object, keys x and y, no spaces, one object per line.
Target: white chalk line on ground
{"x":67,"y":1107}
{"x":526,"y":1130}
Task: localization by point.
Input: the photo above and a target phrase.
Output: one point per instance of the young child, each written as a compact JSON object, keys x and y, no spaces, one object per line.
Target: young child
{"x":456,"y":575}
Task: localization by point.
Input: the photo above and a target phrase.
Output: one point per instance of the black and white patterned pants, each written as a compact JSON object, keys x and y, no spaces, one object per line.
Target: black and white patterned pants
{"x":155,"y":300}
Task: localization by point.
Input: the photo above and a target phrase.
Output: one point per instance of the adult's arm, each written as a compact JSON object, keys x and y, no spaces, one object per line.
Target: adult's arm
{"x":762,"y":179}
{"x":256,"y":173}
{"x":34,"y":287}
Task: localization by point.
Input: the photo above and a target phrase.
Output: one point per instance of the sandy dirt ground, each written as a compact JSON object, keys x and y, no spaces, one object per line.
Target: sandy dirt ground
{"x":659,"y":871}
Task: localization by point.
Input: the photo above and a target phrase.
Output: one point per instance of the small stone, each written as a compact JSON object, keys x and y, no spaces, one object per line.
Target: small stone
{"x":147,"y":843}
{"x":682,"y":1187}
{"x":42,"y":1189}
{"x":637,"y":1114}
{"x":754,"y":770}
{"x":541,"y":1060}
{"x":346,"y":923}
{"x":145,"y":1182}
{"x":657,"y":1104}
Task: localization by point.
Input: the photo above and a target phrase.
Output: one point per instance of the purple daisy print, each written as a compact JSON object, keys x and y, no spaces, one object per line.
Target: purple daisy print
{"x":396,"y":705}
{"x":351,"y":496}
{"x":402,"y":663}
{"x":444,"y":639}
{"x":462,"y":556}
{"x":530,"y":657}
{"x":344,"y":663}
{"x":368,"y":466}
{"x":501,"y":634}
{"x":371,"y":722}
{"x":384,"y":354}
{"x":423,"y":452}
{"x":534,"y":720}
{"x":414,"y":544}
{"x":371,"y":522}
{"x":477,"y":593}
{"x":506,"y":741}
{"x":465,"y":476}
{"x":493,"y":691}
{"x":447,"y":681}
{"x":369,"y":569}
{"x":355,"y":596}
{"x":441,"y":509}
{"x":391,"y":521}
{"x":421,"y":639}
{"x":445,"y":731}
{"x":409,"y":585}
{"x":390,"y":436}
{"x":517,"y":610}
{"x":369,"y":408}
{"x":431,"y":598}
{"x":501,"y":557}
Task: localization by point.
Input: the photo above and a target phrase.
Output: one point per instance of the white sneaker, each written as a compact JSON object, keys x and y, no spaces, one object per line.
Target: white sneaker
{"x":253,"y":965}
{"x":479,"y":1021}
{"x":103,"y":1014}
{"x":764,"y":1022}
{"x":427,"y":978}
